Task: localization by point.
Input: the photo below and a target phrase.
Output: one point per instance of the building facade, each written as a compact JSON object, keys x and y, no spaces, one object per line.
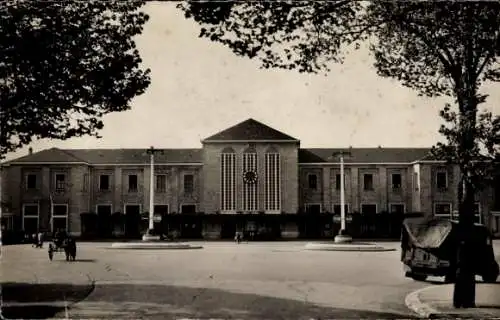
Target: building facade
{"x":248,"y":177}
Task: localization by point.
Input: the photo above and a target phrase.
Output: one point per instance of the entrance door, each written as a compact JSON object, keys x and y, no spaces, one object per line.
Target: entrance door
{"x":314,"y":224}
{"x":104,"y":221}
{"x":132,"y":221}
{"x":191,"y":226}
{"x":162,"y":226}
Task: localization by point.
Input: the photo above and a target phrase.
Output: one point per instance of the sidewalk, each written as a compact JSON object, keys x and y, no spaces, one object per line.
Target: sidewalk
{"x":437,"y":302}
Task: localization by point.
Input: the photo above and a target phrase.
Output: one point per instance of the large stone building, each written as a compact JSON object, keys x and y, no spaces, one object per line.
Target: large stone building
{"x":249,"y":176}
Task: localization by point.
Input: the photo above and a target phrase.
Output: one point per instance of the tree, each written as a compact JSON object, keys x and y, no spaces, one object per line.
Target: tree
{"x":64,"y":65}
{"x":438,"y":49}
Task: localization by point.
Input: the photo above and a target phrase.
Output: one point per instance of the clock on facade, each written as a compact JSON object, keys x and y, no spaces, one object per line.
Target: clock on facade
{"x":250,"y":177}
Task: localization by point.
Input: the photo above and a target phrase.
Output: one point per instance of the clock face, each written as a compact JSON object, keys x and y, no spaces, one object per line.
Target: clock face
{"x":250,"y":177}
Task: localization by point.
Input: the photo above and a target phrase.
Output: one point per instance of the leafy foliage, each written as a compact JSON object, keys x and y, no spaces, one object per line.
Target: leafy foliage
{"x":485,"y":150}
{"x":64,"y":65}
{"x":436,"y":48}
{"x":301,"y":35}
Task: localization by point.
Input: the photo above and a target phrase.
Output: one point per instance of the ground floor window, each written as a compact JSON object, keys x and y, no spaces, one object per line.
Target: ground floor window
{"x":59,"y":217}
{"x":30,"y":225}
{"x":8,"y":223}
{"x":442,"y":210}
{"x":313,"y":208}
{"x":336,"y":208}
{"x":188,"y":208}
{"x":397,"y":208}
{"x":161,"y":209}
{"x":368,"y":208}
{"x":31,"y":218}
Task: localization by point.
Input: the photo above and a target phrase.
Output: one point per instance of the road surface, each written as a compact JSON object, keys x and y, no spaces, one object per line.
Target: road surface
{"x":248,"y":281}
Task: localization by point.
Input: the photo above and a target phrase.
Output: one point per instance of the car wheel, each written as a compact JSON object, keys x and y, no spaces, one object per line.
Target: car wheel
{"x":418,"y":277}
{"x":490,"y":277}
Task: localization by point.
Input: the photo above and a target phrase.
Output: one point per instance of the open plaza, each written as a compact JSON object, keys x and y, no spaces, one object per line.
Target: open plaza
{"x":256,"y":280}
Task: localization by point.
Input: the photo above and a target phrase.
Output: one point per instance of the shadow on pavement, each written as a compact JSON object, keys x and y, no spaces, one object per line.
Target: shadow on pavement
{"x":132,"y":301}
{"x":17,"y":297}
{"x":173,"y":302}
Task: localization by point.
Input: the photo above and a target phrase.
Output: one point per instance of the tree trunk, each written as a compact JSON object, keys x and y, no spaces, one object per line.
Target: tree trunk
{"x":464,"y":295}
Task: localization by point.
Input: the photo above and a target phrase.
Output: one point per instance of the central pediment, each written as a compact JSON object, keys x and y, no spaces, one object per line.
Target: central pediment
{"x":248,"y":131}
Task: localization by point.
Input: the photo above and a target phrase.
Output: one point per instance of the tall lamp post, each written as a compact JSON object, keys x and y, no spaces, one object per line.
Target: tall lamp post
{"x":148,"y":236}
{"x":342,"y":237}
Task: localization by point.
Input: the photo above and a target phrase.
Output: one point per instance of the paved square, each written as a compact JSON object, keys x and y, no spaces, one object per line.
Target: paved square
{"x":223,"y":280}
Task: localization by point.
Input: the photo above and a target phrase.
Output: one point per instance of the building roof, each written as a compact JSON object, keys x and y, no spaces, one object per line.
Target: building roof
{"x":190,"y":156}
{"x":52,"y":155}
{"x":364,"y":155}
{"x":111,"y":156}
{"x":250,"y":130}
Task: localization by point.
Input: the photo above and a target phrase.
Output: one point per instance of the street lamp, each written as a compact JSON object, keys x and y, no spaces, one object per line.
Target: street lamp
{"x":148,"y":236}
{"x":342,"y":237}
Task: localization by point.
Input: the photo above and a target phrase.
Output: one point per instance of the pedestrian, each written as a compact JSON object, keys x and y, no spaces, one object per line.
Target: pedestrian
{"x":33,"y":240}
{"x":237,"y":237}
{"x":40,"y":239}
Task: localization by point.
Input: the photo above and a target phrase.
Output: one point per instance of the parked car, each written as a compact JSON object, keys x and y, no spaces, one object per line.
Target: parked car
{"x":429,"y":248}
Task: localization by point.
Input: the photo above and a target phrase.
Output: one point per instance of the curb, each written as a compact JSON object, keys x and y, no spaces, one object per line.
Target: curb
{"x":153,"y":246}
{"x":365,"y":247}
{"x":423,"y":310}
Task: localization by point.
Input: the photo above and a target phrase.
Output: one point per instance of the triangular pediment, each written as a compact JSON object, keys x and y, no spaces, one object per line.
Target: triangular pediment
{"x":250,"y":130}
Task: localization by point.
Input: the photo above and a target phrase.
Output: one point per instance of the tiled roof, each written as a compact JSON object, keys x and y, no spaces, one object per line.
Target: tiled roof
{"x":49,"y":155}
{"x":249,"y":130}
{"x":113,"y":156}
{"x":140,"y":156}
{"x":132,"y":156}
{"x":364,"y":155}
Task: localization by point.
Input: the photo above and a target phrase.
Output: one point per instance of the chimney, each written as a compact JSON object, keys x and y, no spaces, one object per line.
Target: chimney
{"x":30,"y":150}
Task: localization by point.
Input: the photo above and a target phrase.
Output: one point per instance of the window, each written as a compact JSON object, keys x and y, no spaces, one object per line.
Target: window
{"x":441,"y":180}
{"x":161,"y":209}
{"x":104,"y":182}
{"x":337,"y":181}
{"x":313,"y":208}
{"x":312,"y":181}
{"x":132,"y":182}
{"x":368,"y":181}
{"x":189,"y":183}
{"x":397,"y":208}
{"x":396,"y":181}
{"x":250,"y":186}
{"x":60,"y":181}
{"x":30,"y":218}
{"x":8,"y":223}
{"x":336,"y":208}
{"x":273,"y":181}
{"x":368,"y":208}
{"x":31,"y":181}
{"x":442,"y":210}
{"x":188,"y":208}
{"x":161,"y":183}
{"x":228,"y":181}
{"x":104,"y":210}
{"x":59,"y":217}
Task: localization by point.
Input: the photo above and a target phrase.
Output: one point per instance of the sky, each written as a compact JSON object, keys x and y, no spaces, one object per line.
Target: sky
{"x":199,"y":88}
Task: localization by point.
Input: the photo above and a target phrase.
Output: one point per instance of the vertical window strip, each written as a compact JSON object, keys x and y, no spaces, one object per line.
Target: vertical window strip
{"x":233,"y":187}
{"x":228,"y":182}
{"x":249,"y":190}
{"x":273,"y":182}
